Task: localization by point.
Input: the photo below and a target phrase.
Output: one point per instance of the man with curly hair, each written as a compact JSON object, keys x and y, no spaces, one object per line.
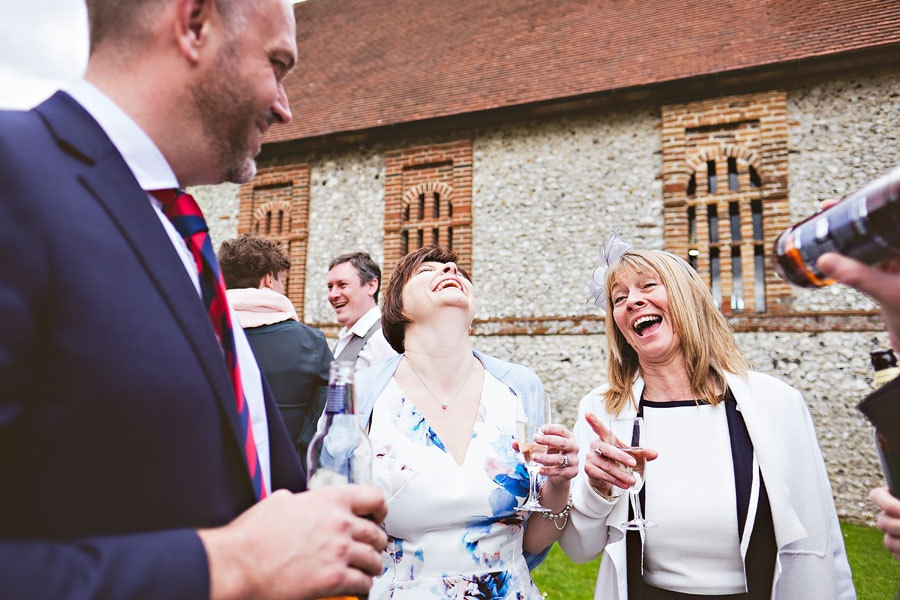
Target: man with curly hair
{"x":293,"y":356}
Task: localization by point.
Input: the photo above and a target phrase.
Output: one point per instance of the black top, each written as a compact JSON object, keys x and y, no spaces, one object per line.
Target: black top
{"x":294,"y":359}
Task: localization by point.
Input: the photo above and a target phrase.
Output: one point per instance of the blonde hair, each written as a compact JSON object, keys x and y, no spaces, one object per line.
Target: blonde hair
{"x":707,"y":340}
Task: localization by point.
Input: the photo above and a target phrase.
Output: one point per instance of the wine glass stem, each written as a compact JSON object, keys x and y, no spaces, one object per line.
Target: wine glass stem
{"x":636,"y":507}
{"x":533,"y":488}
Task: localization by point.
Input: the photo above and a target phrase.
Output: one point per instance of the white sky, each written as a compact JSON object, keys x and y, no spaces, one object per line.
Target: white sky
{"x":43,"y":44}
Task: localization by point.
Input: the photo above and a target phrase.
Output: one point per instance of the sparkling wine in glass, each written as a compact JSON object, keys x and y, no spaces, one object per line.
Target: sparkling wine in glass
{"x":628,"y":435}
{"x":525,"y":432}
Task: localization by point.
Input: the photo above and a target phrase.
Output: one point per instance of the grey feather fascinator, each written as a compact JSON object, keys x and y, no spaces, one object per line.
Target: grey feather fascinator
{"x":616,"y":246}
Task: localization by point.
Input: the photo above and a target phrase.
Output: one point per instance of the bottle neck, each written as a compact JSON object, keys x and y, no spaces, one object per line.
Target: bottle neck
{"x":882,"y":376}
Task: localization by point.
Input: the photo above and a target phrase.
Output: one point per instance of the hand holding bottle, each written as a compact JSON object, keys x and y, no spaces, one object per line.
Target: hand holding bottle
{"x":881,"y":282}
{"x":309,"y":545}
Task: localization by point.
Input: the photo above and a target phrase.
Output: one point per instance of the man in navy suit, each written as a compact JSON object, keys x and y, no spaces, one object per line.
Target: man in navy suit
{"x":125,"y":473}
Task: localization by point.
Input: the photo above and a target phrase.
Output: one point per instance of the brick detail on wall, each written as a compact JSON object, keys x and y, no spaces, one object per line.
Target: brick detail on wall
{"x":741,"y":142}
{"x":275,"y":204}
{"x":428,"y":200}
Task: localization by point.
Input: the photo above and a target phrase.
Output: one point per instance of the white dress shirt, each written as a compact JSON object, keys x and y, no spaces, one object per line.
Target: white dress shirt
{"x":153,"y":172}
{"x":377,"y":347}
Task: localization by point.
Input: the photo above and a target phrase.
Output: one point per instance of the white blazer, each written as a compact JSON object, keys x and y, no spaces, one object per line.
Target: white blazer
{"x":811,"y":560}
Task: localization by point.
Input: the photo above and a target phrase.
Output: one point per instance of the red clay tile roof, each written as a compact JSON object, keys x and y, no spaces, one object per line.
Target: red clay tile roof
{"x":368,"y":63}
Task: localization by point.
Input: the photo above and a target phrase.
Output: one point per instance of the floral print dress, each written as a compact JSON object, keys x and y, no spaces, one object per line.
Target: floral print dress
{"x":453,"y":530}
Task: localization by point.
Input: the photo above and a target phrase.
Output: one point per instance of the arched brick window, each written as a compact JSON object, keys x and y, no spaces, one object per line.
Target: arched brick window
{"x":276,"y":205}
{"x":428,"y":200}
{"x":725,"y":195}
{"x":726,"y":238}
{"x":426,"y":217}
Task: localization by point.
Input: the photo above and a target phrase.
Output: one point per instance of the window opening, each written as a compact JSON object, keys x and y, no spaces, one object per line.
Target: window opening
{"x":755,"y":181}
{"x":737,"y":283}
{"x":734,"y":217}
{"x":732,"y":174}
{"x":712,"y":216}
{"x":759,"y":278}
{"x":715,"y":275}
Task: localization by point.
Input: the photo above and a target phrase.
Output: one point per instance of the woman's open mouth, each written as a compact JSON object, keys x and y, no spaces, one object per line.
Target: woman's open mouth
{"x":646,"y":325}
{"x":447,"y":283}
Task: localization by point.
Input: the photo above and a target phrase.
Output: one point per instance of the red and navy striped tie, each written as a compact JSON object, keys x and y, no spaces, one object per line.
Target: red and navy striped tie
{"x":182,"y":210}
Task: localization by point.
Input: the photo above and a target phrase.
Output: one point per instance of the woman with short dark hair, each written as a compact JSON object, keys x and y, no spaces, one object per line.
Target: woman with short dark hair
{"x":443,"y":423}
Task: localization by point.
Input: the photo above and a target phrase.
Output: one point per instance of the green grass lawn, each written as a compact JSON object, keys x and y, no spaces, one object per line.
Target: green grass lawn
{"x":876,"y":574}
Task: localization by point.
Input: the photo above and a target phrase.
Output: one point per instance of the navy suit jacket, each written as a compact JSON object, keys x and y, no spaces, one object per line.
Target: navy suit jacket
{"x":118,"y":426}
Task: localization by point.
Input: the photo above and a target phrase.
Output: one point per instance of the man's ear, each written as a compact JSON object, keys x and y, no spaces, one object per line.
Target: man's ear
{"x":266,"y":281}
{"x":372,"y":286}
{"x":192,"y":24}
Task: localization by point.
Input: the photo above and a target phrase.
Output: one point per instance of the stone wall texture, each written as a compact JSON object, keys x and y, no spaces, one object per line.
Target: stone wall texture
{"x":545,"y":192}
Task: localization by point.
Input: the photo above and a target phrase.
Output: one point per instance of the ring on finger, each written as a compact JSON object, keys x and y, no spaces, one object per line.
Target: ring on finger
{"x":565,"y":462}
{"x":598,"y":451}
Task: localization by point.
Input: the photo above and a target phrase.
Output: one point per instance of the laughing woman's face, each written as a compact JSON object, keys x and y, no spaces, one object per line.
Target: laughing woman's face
{"x":640,"y":306}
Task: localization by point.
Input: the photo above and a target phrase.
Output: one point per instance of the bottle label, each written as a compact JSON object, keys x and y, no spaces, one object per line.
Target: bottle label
{"x":884,"y":375}
{"x":335,"y":399}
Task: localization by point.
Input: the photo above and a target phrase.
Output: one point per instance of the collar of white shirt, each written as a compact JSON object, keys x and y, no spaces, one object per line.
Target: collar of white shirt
{"x":362,"y":324}
{"x":140,"y":153}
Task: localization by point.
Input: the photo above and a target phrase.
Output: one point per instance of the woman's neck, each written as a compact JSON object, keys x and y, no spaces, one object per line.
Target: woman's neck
{"x":441,"y":352}
{"x":667,"y":381}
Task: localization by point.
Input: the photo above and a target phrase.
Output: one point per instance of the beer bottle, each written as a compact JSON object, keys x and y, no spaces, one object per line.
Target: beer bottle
{"x":885,"y":364}
{"x":864,"y":225}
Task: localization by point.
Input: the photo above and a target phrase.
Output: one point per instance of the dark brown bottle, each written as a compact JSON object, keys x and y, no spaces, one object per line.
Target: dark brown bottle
{"x":864,"y":225}
{"x":885,"y":364}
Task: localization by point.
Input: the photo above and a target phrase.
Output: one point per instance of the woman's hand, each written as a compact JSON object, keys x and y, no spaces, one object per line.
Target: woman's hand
{"x":603,"y":463}
{"x":560,"y":462}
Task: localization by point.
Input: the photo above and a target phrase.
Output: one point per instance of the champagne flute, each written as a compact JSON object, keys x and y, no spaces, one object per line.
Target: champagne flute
{"x":525,"y":432}
{"x":628,"y":435}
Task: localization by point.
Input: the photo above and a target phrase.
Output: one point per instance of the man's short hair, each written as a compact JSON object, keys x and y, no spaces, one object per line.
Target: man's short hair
{"x":366,"y":268}
{"x":131,"y":20}
{"x":247,"y":259}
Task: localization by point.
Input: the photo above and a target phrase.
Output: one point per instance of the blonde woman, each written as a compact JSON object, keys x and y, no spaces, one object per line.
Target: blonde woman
{"x":739,"y":493}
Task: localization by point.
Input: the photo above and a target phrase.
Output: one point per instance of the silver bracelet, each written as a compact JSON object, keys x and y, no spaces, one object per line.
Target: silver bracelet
{"x":563,"y":514}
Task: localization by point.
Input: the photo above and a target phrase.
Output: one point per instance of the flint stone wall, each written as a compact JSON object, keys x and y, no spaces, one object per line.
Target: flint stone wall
{"x":545,"y":192}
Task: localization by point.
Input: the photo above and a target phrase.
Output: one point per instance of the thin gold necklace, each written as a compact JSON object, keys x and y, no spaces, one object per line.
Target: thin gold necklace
{"x":433,"y":395}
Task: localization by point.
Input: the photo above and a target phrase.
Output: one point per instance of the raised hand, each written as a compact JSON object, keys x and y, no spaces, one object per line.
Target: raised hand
{"x":602,"y":462}
{"x":560,"y":462}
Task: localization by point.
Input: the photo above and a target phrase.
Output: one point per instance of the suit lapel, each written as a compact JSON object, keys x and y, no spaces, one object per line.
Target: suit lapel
{"x":109,"y":180}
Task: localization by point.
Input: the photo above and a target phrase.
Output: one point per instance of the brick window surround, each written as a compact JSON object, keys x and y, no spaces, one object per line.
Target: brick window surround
{"x":725,"y":195}
{"x":428,"y":200}
{"x":275,"y":204}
